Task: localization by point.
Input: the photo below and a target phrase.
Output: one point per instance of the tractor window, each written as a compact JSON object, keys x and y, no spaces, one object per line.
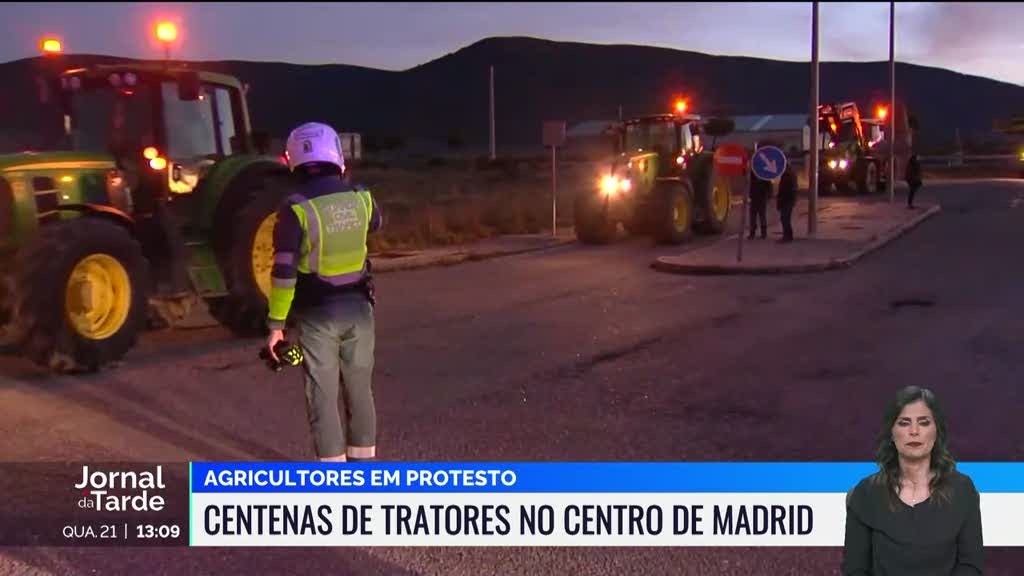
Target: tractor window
{"x":687,"y":140}
{"x":111,"y":121}
{"x":652,"y":136}
{"x":847,"y":132}
{"x":225,"y":119}
{"x":190,"y":126}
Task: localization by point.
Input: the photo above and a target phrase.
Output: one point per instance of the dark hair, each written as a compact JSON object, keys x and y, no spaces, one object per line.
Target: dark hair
{"x":314,"y":170}
{"x":942,"y":463}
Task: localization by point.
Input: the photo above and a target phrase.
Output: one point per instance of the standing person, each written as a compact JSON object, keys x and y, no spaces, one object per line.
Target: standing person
{"x":321,"y":276}
{"x":918,"y":515}
{"x":913,"y":177}
{"x":760,"y":190}
{"x":786,"y":201}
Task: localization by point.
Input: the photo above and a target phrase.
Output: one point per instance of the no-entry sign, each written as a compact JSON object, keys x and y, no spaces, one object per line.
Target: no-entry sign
{"x":731,"y":160}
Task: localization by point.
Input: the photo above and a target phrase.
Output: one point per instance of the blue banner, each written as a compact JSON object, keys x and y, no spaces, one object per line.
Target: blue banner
{"x":524,"y":477}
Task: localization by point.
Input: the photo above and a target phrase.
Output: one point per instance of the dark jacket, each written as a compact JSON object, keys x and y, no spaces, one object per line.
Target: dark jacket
{"x":787,"y":189}
{"x":760,"y":190}
{"x":913,"y":175}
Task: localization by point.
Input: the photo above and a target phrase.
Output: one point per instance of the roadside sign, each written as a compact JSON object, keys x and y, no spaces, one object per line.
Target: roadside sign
{"x":554,"y":136}
{"x":554,"y":133}
{"x":731,"y":159}
{"x":768,"y":163}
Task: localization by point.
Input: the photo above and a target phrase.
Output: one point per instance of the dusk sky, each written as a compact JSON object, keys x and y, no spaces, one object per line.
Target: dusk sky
{"x":976,"y":38}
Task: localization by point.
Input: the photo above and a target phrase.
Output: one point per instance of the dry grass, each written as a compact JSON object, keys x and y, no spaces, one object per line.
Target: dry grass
{"x":436,"y":205}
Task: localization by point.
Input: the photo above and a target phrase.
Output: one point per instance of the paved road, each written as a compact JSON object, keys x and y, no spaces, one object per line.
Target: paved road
{"x":584,"y":353}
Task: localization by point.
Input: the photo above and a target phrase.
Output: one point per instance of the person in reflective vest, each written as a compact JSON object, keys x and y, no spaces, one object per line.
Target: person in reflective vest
{"x":321,"y":285}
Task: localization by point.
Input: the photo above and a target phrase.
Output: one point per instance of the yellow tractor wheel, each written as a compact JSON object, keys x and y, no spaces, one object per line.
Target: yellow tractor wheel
{"x":673,"y":212}
{"x":245,"y":252}
{"x":97,"y":297}
{"x":80,"y":297}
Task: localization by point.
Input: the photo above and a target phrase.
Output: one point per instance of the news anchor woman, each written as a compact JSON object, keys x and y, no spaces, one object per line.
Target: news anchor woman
{"x":917,"y":515}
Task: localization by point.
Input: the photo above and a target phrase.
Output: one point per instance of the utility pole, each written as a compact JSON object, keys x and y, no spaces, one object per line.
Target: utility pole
{"x":493,"y":151}
{"x":892,"y":101}
{"x":812,"y":181}
{"x":166,"y":33}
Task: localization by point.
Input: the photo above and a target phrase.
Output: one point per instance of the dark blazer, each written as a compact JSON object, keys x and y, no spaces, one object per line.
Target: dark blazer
{"x":931,"y":539}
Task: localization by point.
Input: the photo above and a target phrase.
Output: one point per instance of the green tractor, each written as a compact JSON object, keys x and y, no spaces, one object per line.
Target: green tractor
{"x":661,"y":182}
{"x":155,"y":196}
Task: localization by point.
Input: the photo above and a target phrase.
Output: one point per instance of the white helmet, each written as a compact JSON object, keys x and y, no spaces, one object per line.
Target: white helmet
{"x":314,"y":142}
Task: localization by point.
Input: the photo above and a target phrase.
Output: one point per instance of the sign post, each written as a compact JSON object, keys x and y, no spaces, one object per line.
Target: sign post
{"x":554,"y":136}
{"x":494,"y":151}
{"x":892,"y":102}
{"x":743,"y":219}
{"x":813,"y":175}
{"x":731,"y":160}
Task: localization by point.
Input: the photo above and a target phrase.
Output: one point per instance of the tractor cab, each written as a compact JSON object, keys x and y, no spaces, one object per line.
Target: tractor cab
{"x":164,"y":127}
{"x":673,"y":138}
{"x":842,"y":126}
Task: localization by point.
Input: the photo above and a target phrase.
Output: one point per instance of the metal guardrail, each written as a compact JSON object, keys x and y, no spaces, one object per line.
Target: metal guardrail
{"x":970,"y":160}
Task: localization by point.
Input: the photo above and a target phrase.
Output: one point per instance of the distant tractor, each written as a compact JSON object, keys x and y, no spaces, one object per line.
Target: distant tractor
{"x":1014,"y":128}
{"x":849,"y":159}
{"x":661,"y":182}
{"x":156,"y":196}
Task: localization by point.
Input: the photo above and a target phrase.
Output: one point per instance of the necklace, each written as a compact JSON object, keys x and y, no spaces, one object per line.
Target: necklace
{"x":914,"y":499}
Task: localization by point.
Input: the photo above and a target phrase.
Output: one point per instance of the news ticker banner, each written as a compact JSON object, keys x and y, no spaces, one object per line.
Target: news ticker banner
{"x":456,"y":504}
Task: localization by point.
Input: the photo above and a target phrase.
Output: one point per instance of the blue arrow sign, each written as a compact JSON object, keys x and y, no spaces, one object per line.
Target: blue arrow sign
{"x":768,"y":163}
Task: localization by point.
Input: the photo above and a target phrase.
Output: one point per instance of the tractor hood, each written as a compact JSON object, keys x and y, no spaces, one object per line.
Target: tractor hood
{"x":34,"y":186}
{"x":55,"y":163}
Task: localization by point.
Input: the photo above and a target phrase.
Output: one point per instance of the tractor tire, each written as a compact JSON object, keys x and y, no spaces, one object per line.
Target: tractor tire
{"x":256,"y":181}
{"x":867,"y":178}
{"x":591,"y":220}
{"x":846,"y":186}
{"x":640,"y":222}
{"x":8,"y":335}
{"x":713,"y":199}
{"x":64,"y":264}
{"x":673,"y":212}
{"x":246,"y":258}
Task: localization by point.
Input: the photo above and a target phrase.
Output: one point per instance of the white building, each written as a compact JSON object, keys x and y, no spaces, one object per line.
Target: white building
{"x":351,"y":145}
{"x":791,"y":131}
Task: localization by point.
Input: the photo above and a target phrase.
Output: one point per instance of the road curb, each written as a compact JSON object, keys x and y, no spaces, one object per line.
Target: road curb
{"x":823,"y":266}
{"x":419,"y":261}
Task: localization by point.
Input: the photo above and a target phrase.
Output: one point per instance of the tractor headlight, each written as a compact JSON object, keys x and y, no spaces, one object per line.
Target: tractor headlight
{"x":832,"y":164}
{"x":843,"y":164}
{"x":611,"y":185}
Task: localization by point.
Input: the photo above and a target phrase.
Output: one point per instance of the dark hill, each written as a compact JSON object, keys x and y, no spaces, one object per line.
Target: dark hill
{"x":539,"y":79}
